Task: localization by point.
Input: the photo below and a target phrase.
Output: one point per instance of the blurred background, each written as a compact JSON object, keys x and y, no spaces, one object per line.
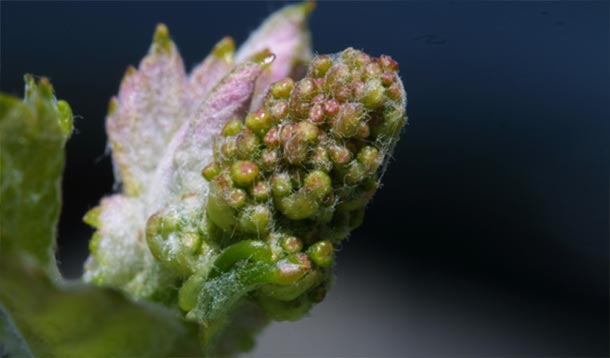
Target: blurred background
{"x":490,"y":234}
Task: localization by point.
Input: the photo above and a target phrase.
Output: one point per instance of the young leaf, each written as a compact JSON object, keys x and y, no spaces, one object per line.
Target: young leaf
{"x":120,"y":257}
{"x":149,"y":109}
{"x":40,"y":314}
{"x":33,"y":133}
{"x":76,"y":320}
{"x":285,"y":35}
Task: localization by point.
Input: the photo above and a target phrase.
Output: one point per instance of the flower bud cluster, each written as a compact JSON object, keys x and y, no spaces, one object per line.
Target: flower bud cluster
{"x":298,"y":172}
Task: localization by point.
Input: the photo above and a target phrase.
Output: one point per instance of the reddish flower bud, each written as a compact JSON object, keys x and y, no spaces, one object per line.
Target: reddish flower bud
{"x":388,"y":63}
{"x":331,"y":107}
{"x":320,"y":65}
{"x":272,"y":138}
{"x":316,"y":114}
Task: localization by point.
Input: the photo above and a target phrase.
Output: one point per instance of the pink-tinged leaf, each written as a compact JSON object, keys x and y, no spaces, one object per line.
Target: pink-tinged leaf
{"x":207,"y":74}
{"x":148,"y":110}
{"x":192,"y":147}
{"x":118,"y":248}
{"x":284,"y":34}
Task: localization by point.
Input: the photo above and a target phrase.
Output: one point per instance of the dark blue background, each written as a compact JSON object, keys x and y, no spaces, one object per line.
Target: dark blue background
{"x":493,"y":219}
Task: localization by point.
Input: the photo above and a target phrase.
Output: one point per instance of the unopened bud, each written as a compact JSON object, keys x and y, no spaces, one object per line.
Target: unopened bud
{"x":260,"y":191}
{"x":281,"y":185}
{"x":292,"y":244}
{"x":254,"y":220}
{"x":259,"y":121}
{"x":272,"y":138}
{"x":320,"y":65}
{"x":322,"y":253}
{"x":211,"y":170}
{"x":236,"y":198}
{"x":246,"y":144}
{"x":339,"y":154}
{"x":349,"y":119}
{"x":318,"y":183}
{"x":283,"y":88}
{"x":244,"y":172}
{"x":388,"y":63}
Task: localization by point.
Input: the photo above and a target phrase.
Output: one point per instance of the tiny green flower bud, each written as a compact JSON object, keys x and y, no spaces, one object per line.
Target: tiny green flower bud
{"x":211,"y":170}
{"x":279,"y":110}
{"x":393,"y":121}
{"x":320,"y":65}
{"x":318,"y":183}
{"x":232,"y":127}
{"x":236,"y":198}
{"x":305,"y":131}
{"x":355,"y":57}
{"x":319,"y":159}
{"x":394,"y":92}
{"x":304,"y":89}
{"x":373,"y":95}
{"x":282,"y":88}
{"x":339,"y":154}
{"x":223,"y":182}
{"x":246,"y":144}
{"x":259,"y":121}
{"x":254,"y":220}
{"x":322,"y":253}
{"x":292,"y":244}
{"x":272,"y":138}
{"x":299,"y":109}
{"x":228,"y":149}
{"x":370,"y":157}
{"x":281,"y":185}
{"x":295,"y":150}
{"x":372,"y":70}
{"x":298,"y":206}
{"x":292,"y":268}
{"x":362,"y":59}
{"x":338,"y":77}
{"x":269,"y":159}
{"x":269,"y":101}
{"x":300,"y":99}
{"x":349,"y":119}
{"x":244,"y":172}
{"x":354,"y":173}
{"x":260,"y":191}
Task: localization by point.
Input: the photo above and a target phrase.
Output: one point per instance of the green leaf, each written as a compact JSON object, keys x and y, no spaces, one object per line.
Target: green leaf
{"x":40,"y":313}
{"x":78,"y":320}
{"x":33,"y":133}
